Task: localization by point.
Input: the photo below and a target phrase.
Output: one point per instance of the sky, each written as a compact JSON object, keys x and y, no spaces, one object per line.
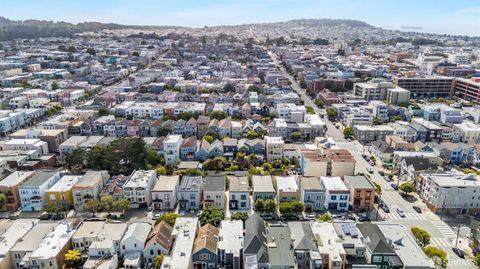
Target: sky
{"x":460,"y":17}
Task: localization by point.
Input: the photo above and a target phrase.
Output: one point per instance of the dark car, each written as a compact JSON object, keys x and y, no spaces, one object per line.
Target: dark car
{"x":381,"y":173}
{"x":58,"y":217}
{"x":418,"y":209}
{"x":45,"y":216}
{"x":394,"y":186}
{"x":385,"y":208}
{"x":459,"y":252}
{"x":364,"y":218}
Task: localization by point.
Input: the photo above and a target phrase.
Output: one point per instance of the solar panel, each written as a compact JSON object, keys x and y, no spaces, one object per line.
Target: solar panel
{"x":350,"y":228}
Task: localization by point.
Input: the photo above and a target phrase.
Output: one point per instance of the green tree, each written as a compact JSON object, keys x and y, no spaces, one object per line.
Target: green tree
{"x":407,"y":187}
{"x":92,"y":206}
{"x":55,"y":85}
{"x":270,"y":206}
{"x":106,"y":203}
{"x":251,"y":135}
{"x":157,"y":261}
{"x":193,"y":172}
{"x":218,"y":114}
{"x":161,"y":170}
{"x":121,"y":205}
{"x":438,"y":255}
{"x":186,"y":115}
{"x":319,"y":102}
{"x":310,"y":110}
{"x":296,"y":135}
{"x":228,"y":88}
{"x":396,"y":118}
{"x":377,"y":121}
{"x":103,"y":112}
{"x":91,"y":51}
{"x":476,"y":260}
{"x":72,"y":258}
{"x":348,"y":132}
{"x":243,"y":216}
{"x":325,"y":217}
{"x":169,"y":218}
{"x":259,"y":205}
{"x":53,"y":208}
{"x":208,"y":138}
{"x":285,"y":208}
{"x":422,"y":236}
{"x":3,"y":200}
{"x":212,"y":215}
{"x":331,"y":113}
{"x":163,"y":131}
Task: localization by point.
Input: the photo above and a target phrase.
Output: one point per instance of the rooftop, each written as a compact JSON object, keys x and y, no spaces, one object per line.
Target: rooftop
{"x":40,"y":178}
{"x":280,"y":246}
{"x":239,"y":184}
{"x":34,"y":237}
{"x":231,"y":236}
{"x":140,"y":178}
{"x":54,"y":241}
{"x":214,"y":183}
{"x":184,"y":232}
{"x":14,"y":233}
{"x":16,"y":178}
{"x":287,"y":183}
{"x":333,"y":184}
{"x":262,"y":184}
{"x":359,"y":182}
{"x":91,"y":179}
{"x":64,"y":184}
{"x":166,"y":183}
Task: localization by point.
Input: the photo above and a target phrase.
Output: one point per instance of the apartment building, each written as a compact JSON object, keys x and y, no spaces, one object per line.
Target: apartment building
{"x":362,"y":193}
{"x":10,"y":187}
{"x":91,"y":232}
{"x":312,"y":195}
{"x":230,"y":244}
{"x":398,"y":96}
{"x":426,"y":87}
{"x":337,"y":195}
{"x":171,"y":149}
{"x":287,"y":189}
{"x":138,"y":188}
{"x":164,"y":193}
{"x":53,"y":137}
{"x":132,"y":243}
{"x":327,"y":162}
{"x":190,"y":192}
{"x":10,"y":236}
{"x":32,"y":191}
{"x":184,"y":234}
{"x":61,"y":192}
{"x":239,"y":193}
{"x":71,"y":144}
{"x":466,"y":132}
{"x":332,"y":253}
{"x":214,"y":192}
{"x":88,"y":188}
{"x":468,"y":89}
{"x":366,"y":134}
{"x":263,"y":187}
{"x":274,"y":147}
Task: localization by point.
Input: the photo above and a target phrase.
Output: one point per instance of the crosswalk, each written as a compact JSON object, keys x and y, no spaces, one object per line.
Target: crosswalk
{"x":409,"y":216}
{"x":441,"y":242}
{"x":444,"y":229}
{"x":457,"y":263}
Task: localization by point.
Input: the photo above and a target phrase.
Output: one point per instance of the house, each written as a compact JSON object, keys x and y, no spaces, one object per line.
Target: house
{"x":337,"y":195}
{"x":214,"y":192}
{"x":389,"y":244}
{"x":133,"y":241}
{"x":29,"y":243}
{"x":263,"y":187}
{"x":114,"y":187}
{"x":382,"y":151}
{"x":312,"y":195}
{"x":12,"y":234}
{"x":216,"y":149}
{"x":164,"y":193}
{"x":362,"y":193}
{"x":71,"y":144}
{"x":88,"y":188}
{"x":101,"y":253}
{"x":61,"y":192}
{"x":188,"y":149}
{"x":352,"y":240}
{"x":171,"y":148}
{"x":326,"y":162}
{"x":189,"y":192}
{"x":230,"y":244}
{"x":51,"y":251}
{"x":255,"y":252}
{"x":304,"y":246}
{"x":287,"y":189}
{"x":239,"y":193}
{"x":205,"y":247}
{"x":274,"y":148}
{"x":203,"y":151}
{"x":230,"y":147}
{"x":280,"y":247}
{"x":138,"y":188}
{"x":184,"y":234}
{"x":10,"y":187}
{"x":90,"y":232}
{"x":32,"y":191}
{"x":330,"y":247}
{"x":159,"y":241}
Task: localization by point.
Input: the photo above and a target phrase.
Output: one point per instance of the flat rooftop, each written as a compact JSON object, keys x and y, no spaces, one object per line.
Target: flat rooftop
{"x":262,"y":184}
{"x":64,"y":184}
{"x":287,"y":183}
{"x":16,"y":178}
{"x":231,"y":236}
{"x":334,"y":184}
{"x":184,"y":231}
{"x":34,"y":237}
{"x":54,"y":242}
{"x":90,"y":179}
{"x":15,"y":232}
{"x":166,"y":183}
{"x":39,"y":178}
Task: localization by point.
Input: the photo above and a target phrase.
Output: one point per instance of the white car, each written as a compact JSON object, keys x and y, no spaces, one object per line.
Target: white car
{"x":310,"y":217}
{"x":401,"y":213}
{"x":369,"y":169}
{"x":156,"y":216}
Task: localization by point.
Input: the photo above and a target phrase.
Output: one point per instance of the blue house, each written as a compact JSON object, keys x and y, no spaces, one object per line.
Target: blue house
{"x":205,"y":248}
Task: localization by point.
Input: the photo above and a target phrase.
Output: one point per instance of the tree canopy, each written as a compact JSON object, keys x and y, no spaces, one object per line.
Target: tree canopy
{"x":169,"y":218}
{"x":212,"y":215}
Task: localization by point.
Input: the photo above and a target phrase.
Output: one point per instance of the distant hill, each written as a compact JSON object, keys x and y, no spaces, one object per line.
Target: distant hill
{"x":11,"y":29}
{"x":332,"y":23}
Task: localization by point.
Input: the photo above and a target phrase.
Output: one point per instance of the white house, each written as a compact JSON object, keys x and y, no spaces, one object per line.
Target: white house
{"x":32,"y":192}
{"x":239,"y":193}
{"x":171,"y":148}
{"x":164,"y":193}
{"x":131,"y":246}
{"x":138,"y":189}
{"x":337,"y":195}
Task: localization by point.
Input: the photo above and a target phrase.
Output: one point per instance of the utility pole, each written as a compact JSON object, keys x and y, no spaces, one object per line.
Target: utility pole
{"x":443,"y":207}
{"x":458,"y":234}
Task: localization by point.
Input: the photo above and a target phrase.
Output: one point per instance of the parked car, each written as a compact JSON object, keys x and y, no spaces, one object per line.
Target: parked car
{"x":418,"y":209}
{"x":156,"y":216}
{"x":459,"y":252}
{"x":401,"y":213}
{"x":310,"y":217}
{"x":386,"y":209}
{"x":381,"y":173}
{"x":45,"y":216}
{"x":370,"y":170}
{"x":364,"y":218}
{"x":58,"y":216}
{"x":394,"y":186}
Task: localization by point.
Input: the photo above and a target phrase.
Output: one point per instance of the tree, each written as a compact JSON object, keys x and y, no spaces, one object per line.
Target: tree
{"x":169,"y":218}
{"x":251,"y":135}
{"x":294,"y":207}
{"x":92,"y":206}
{"x":325,"y":217}
{"x":341,"y":52}
{"x":54,"y":85}
{"x":186,"y":115}
{"x":296,"y":135}
{"x":228,"y":88}
{"x":91,"y":51}
{"x":192,"y":172}
{"x":72,"y":258}
{"x":348,"y":132}
{"x":377,"y":121}
{"x":243,"y":216}
{"x":331,"y":113}
{"x":396,"y":118}
{"x":161,"y":170}
{"x":211,"y":215}
{"x":270,"y":206}
{"x":157,"y":261}
{"x":303,"y":84}
{"x":476,"y":260}
{"x":163,"y":131}
{"x":152,"y":157}
{"x":438,"y":255}
{"x":407,"y":187}
{"x":103,"y":112}
{"x":121,"y":205}
{"x":319,"y":102}
{"x":422,"y":236}
{"x":106,"y":203}
{"x":310,"y":110}
{"x":135,"y":54}
{"x":3,"y":200}
{"x":218,"y":114}
{"x":72,"y":49}
{"x":259,"y":205}
{"x":208,"y":138}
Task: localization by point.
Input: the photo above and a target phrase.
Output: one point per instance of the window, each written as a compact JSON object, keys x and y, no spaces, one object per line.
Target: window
{"x":385,"y":259}
{"x":377,"y":259}
{"x":333,"y":197}
{"x":204,"y":257}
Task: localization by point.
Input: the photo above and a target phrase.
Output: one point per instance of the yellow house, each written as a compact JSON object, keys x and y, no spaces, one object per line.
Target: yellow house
{"x":61,"y":192}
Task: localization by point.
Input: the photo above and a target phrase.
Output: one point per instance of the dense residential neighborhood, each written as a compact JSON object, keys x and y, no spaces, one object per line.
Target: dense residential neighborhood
{"x":240,"y":148}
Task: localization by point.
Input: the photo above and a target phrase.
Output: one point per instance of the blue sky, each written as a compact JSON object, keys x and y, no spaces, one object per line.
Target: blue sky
{"x":437,"y":16}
